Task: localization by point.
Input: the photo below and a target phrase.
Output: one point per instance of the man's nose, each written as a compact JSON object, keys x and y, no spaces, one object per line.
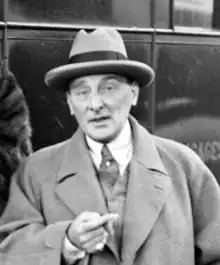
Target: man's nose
{"x":96,"y":102}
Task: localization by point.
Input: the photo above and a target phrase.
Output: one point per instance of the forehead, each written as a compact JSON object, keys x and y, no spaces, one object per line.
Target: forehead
{"x":94,"y":79}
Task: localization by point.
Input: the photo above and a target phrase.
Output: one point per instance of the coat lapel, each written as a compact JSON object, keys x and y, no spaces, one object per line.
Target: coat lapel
{"x":77,"y":184}
{"x":148,"y":189}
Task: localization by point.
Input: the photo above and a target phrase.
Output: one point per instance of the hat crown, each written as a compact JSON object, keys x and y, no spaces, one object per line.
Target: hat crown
{"x":101,"y":39}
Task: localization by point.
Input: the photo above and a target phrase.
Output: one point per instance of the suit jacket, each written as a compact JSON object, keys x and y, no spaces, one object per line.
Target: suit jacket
{"x":172,"y":207}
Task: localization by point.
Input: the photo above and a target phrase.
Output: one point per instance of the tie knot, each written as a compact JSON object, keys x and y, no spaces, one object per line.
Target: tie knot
{"x":108,"y":161}
{"x":109,"y":169}
{"x":106,"y":154}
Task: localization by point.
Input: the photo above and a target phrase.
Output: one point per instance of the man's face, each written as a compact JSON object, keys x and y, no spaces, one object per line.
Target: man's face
{"x":101,"y":104}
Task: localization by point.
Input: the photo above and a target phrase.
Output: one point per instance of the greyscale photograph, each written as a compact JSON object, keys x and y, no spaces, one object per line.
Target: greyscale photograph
{"x":110,"y":132}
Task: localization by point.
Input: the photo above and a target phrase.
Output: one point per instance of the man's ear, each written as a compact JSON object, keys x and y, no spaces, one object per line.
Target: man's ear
{"x":135,"y":92}
{"x":69,"y":103}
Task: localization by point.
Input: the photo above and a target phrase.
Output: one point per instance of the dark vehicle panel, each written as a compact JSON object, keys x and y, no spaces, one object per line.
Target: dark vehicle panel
{"x":188,"y":98}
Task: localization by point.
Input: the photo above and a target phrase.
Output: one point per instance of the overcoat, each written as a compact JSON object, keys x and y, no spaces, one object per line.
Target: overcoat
{"x":172,"y":207}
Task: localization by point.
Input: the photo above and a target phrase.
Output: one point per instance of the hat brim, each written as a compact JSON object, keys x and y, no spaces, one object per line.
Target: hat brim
{"x":60,"y":77}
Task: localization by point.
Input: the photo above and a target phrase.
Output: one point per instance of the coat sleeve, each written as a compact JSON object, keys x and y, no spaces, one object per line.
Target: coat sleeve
{"x":205,"y":193}
{"x":24,"y":237}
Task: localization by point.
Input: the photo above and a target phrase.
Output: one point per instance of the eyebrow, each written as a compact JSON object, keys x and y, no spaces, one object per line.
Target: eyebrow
{"x":76,"y":84}
{"x":117,"y":77}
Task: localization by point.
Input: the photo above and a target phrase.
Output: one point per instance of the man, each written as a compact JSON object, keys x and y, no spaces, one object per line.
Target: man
{"x":113,"y":193}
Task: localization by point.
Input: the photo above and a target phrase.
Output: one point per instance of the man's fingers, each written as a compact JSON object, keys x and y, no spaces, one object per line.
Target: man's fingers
{"x":110,"y":217}
{"x":87,"y":216}
{"x":93,"y":224}
{"x":89,"y":225}
{"x":89,"y":221}
{"x":97,"y":244}
{"x":100,"y":246}
{"x":83,"y":220}
{"x":91,"y":235}
{"x":109,"y":228}
{"x":109,"y":220}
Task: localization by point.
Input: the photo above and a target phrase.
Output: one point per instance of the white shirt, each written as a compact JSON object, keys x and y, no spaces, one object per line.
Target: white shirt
{"x":121,"y":149}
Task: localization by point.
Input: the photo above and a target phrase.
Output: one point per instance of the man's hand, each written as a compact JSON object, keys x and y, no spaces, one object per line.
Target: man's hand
{"x":90,"y":231}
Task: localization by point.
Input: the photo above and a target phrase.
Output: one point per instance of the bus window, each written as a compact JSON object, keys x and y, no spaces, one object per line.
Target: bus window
{"x":128,"y":13}
{"x":1,"y":10}
{"x":197,"y":14}
{"x":162,"y":14}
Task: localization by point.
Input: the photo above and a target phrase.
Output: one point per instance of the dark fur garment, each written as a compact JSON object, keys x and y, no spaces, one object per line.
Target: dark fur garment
{"x":15,"y":132}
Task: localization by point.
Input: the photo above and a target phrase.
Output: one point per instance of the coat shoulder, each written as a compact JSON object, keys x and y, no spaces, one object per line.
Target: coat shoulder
{"x":46,"y":159}
{"x":49,"y":152}
{"x":177,"y":155}
{"x":175,"y":149}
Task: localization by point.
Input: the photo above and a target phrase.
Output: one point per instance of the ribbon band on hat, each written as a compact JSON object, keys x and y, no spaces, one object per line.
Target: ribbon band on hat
{"x":96,"y":56}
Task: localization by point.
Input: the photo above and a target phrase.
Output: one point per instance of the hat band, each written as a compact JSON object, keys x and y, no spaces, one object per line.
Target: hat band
{"x":96,"y":56}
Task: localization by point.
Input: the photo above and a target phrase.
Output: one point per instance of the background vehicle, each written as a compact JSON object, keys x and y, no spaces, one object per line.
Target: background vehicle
{"x":178,"y":38}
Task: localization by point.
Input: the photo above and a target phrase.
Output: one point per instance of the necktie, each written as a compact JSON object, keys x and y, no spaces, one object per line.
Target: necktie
{"x":109,"y":174}
{"x":109,"y":169}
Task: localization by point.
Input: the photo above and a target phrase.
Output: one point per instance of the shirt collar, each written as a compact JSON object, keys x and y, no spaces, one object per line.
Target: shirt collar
{"x":120,"y":143}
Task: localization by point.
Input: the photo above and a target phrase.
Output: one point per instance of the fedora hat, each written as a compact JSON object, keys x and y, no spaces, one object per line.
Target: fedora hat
{"x":99,"y":52}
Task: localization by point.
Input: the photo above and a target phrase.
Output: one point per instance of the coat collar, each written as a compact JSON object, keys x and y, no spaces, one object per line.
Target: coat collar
{"x":78,"y":185}
{"x":147,"y":192}
{"x":148,"y":189}
{"x":145,"y":150}
{"x":76,"y":153}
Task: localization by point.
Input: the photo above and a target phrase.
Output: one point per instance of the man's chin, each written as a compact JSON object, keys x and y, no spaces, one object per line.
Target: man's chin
{"x":102,"y":137}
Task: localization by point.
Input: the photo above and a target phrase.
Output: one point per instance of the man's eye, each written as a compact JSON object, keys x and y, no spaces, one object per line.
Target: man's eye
{"x":108,"y":88}
{"x":82,"y":92}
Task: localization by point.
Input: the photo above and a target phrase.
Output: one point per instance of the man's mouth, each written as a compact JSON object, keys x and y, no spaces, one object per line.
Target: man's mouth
{"x":100,"y":119}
